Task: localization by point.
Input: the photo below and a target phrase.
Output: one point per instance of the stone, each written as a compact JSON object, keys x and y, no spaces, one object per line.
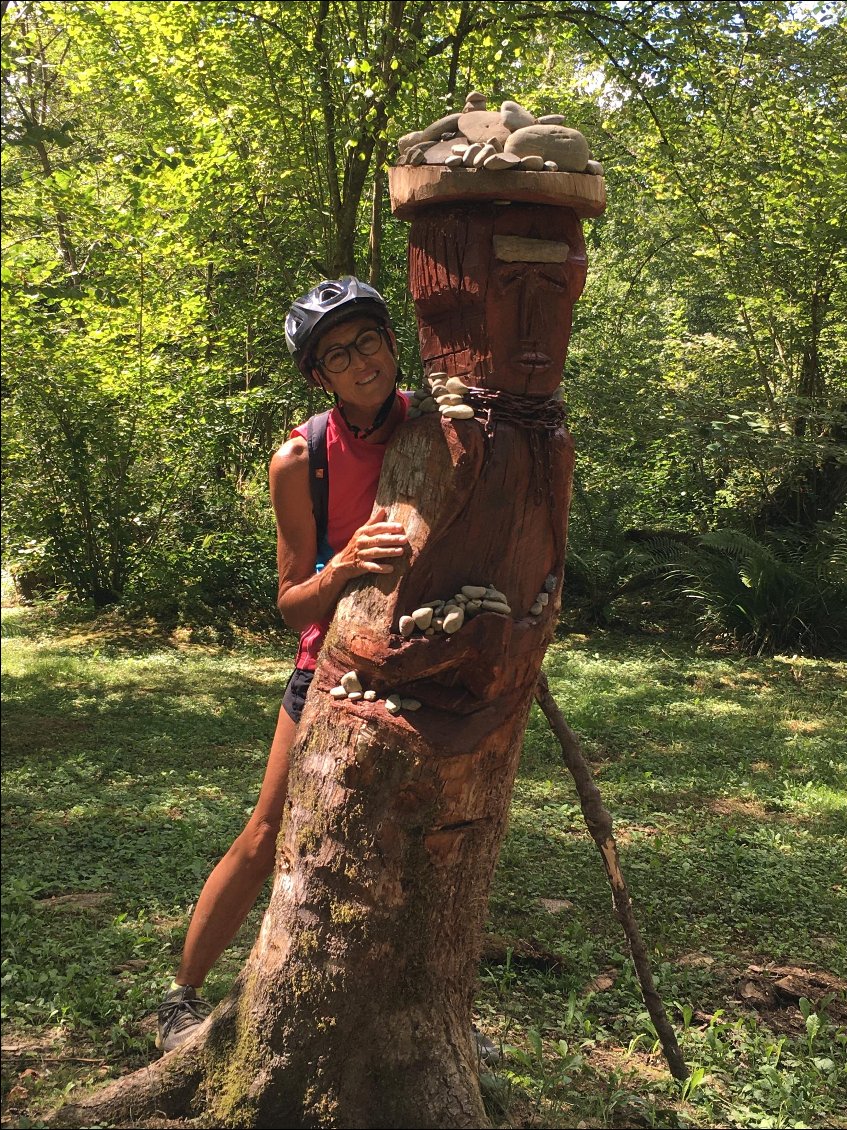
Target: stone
{"x":454,"y":620}
{"x":483,"y":155}
{"x":407,"y":626}
{"x":429,"y":633}
{"x":494,"y":594}
{"x":338,"y":692}
{"x":437,"y":152}
{"x":459,"y":148}
{"x":408,"y":140}
{"x":543,"y":598}
{"x":477,"y":97}
{"x":447,"y":398}
{"x":447,"y":124}
{"x":428,"y":405}
{"x":394,"y":704}
{"x":551,"y":166}
{"x":567,"y":147}
{"x":551,"y":120}
{"x":437,"y":624}
{"x":533,"y":162}
{"x":472,"y":607}
{"x":482,"y":125}
{"x":536,"y":609}
{"x":456,"y":384}
{"x":422,"y":617}
{"x":470,"y":153}
{"x":496,"y":606}
{"x":350,"y":682}
{"x":355,"y":696}
{"x":550,"y":582}
{"x":370,"y":696}
{"x":454,"y":161}
{"x":594,"y":168}
{"x":460,"y":598}
{"x":416,"y":156}
{"x":474,"y":592}
{"x":516,"y":116}
{"x":457,"y":412}
{"x":502,"y":161}
{"x":433,"y":604}
{"x":439,"y":389}
{"x":410,"y":704}
{"x":449,"y":136}
{"x":495,"y":143}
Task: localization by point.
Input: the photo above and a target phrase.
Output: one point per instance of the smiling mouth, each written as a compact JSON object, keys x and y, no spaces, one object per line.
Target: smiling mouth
{"x":367,"y":380}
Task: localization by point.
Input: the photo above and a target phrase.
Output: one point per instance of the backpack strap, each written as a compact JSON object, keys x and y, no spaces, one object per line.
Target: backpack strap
{"x":319,"y":481}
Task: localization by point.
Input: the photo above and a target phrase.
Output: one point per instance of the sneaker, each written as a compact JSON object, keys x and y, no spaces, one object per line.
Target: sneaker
{"x":180,"y":1014}
{"x":487,"y":1051}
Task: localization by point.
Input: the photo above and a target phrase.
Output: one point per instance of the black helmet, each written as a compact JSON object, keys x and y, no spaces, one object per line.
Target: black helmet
{"x":330,"y":302}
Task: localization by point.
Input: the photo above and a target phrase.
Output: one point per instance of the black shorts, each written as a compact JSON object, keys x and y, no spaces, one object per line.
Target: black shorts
{"x":295,"y":692}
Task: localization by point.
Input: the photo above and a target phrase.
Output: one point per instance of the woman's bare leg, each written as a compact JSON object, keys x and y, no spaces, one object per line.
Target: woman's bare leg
{"x":234,"y":885}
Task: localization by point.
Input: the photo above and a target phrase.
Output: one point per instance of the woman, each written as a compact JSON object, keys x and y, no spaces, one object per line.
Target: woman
{"x":340,"y":337}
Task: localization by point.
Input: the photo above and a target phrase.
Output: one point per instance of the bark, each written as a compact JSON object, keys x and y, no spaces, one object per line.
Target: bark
{"x":354,"y":1008}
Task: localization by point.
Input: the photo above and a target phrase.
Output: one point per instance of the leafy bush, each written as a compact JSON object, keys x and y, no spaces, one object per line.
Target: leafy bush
{"x":767,"y":596}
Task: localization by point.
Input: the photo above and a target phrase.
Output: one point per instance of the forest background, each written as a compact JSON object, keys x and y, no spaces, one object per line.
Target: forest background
{"x":174,"y":173}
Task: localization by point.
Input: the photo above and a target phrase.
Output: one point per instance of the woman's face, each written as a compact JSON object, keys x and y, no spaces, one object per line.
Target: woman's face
{"x":366,"y":378}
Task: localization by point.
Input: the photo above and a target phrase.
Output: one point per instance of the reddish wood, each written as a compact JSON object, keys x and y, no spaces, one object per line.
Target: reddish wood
{"x":413,"y":187}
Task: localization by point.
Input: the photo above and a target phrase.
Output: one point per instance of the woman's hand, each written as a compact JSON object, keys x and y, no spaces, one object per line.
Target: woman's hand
{"x":372,"y":548}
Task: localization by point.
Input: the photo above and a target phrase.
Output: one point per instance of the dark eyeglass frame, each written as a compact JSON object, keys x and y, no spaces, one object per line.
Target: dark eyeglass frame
{"x":382,"y":336}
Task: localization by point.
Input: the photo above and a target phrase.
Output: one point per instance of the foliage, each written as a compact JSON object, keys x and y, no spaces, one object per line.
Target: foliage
{"x":131,"y":760}
{"x":781,"y":596}
{"x":174,"y":172}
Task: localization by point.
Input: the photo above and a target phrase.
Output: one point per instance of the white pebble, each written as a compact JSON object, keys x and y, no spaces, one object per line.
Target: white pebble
{"x":550,"y":583}
{"x":456,"y":384}
{"x":438,"y":375}
{"x":543,"y":598}
{"x":459,"y":149}
{"x":350,"y":682}
{"x":494,"y":594}
{"x":394,"y":704}
{"x":355,"y":696}
{"x":422,"y":617}
{"x":338,"y":692}
{"x":454,"y":620}
{"x":448,"y":398}
{"x":474,"y":592}
{"x":470,"y":153}
{"x":454,"y":161}
{"x":457,"y":412}
{"x":407,"y":626}
{"x":551,"y":166}
{"x":536,"y":609}
{"x":410,"y":704}
{"x":370,"y":696}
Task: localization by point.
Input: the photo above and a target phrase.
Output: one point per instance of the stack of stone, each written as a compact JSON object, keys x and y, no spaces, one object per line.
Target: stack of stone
{"x":445,"y":395}
{"x":508,"y":138}
{"x":350,"y":690}
{"x":448,"y":615}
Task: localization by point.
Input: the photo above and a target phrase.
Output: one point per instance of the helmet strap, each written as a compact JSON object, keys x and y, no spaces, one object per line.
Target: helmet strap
{"x":382,"y":413}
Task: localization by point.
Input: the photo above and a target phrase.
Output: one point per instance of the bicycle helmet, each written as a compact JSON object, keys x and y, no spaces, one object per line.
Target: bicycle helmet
{"x":326,"y":305}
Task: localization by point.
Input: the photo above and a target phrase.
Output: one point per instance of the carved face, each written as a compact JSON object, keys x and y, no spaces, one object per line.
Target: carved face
{"x":494,"y":289}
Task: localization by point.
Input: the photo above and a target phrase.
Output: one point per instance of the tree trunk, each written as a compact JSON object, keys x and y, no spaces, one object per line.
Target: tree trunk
{"x":354,"y":1009}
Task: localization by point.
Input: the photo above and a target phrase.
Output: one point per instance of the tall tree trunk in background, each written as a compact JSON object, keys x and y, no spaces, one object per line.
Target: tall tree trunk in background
{"x":354,"y":1008}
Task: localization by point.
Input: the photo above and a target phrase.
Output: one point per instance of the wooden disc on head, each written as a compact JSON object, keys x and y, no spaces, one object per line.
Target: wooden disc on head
{"x":413,"y":188}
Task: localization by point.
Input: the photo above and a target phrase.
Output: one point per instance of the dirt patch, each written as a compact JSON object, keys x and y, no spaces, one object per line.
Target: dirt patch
{"x":736,"y":806}
{"x":75,"y":900}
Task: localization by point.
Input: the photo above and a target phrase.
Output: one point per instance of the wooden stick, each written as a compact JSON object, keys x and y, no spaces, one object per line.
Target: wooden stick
{"x":600,"y":826}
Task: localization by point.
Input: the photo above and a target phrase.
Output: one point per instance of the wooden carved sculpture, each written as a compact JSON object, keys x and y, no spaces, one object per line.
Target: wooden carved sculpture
{"x":354,"y":1009}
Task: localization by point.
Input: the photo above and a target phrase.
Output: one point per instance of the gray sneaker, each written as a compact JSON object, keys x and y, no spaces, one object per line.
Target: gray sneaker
{"x":180,"y":1014}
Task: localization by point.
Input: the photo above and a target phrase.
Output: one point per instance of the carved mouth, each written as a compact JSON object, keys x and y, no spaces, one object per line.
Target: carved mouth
{"x":531,"y":359}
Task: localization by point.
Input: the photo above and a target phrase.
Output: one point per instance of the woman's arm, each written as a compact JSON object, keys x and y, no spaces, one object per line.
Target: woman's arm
{"x":304,"y":596}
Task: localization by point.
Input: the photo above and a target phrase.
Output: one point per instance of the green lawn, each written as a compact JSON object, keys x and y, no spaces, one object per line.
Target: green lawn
{"x":131,"y":760}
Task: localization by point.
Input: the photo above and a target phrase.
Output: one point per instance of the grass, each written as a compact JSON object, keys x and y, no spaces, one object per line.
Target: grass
{"x":131,"y":760}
